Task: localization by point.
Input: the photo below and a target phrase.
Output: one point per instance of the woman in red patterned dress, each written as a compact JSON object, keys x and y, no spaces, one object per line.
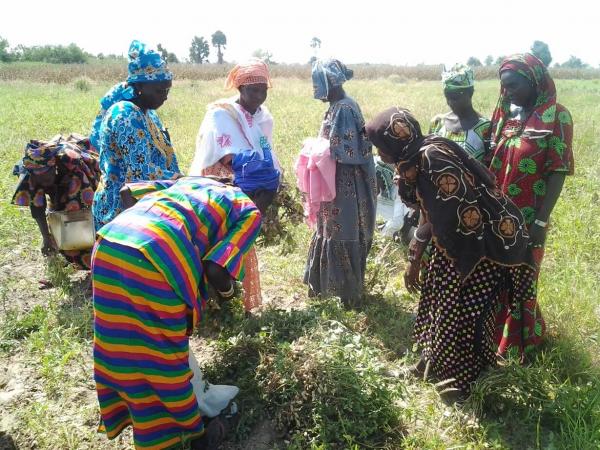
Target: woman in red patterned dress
{"x":532,"y":145}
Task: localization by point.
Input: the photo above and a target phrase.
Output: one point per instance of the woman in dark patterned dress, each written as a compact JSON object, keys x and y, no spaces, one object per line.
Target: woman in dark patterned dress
{"x":337,"y":257}
{"x":479,"y":248}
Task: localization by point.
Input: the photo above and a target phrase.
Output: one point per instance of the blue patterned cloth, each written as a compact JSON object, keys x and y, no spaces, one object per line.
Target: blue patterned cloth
{"x":326,"y":74}
{"x":118,"y":93}
{"x":146,"y":65}
{"x":133,"y":147}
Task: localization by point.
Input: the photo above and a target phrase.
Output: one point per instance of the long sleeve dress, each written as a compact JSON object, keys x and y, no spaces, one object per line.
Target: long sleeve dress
{"x":149,"y":290}
{"x":338,"y":250}
{"x":227,"y":129}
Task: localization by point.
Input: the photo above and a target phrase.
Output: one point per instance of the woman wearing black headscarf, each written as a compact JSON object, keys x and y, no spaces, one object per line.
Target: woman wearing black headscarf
{"x":479,"y":247}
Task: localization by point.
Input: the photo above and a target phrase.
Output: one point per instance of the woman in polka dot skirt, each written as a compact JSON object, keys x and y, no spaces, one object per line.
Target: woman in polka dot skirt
{"x":480,"y":249}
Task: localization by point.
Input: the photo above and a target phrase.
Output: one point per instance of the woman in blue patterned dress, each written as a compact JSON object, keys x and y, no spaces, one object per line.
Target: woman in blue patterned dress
{"x":338,"y":251}
{"x":130,"y":138}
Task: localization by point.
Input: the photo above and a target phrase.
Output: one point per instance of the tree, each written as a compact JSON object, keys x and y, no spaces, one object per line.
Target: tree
{"x":219,"y":40}
{"x":542,"y":51}
{"x":315,"y":43}
{"x":5,"y":54}
{"x":473,"y":62}
{"x":166,"y":55}
{"x":265,"y":55}
{"x":489,"y":59}
{"x":574,"y":63}
{"x":55,"y":54}
{"x":199,"y":50}
{"x":499,"y":60}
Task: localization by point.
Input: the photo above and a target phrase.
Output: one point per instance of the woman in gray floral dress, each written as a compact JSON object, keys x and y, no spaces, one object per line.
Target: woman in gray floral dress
{"x":338,"y":250}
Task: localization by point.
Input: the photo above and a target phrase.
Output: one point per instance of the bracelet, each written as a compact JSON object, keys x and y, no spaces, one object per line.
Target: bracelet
{"x":540,"y":223}
{"x":418,"y":239}
{"x":228,"y":293}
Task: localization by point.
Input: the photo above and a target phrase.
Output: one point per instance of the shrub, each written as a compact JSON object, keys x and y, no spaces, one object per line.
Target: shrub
{"x":83,"y":84}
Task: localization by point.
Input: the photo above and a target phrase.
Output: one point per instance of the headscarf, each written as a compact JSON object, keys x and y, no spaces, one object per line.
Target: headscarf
{"x":542,"y":120}
{"x":471,"y":219}
{"x":40,"y":156}
{"x":458,"y":77}
{"x":145,"y":66}
{"x":396,"y":133}
{"x":254,"y":71}
{"x":252,"y":172}
{"x":78,"y":173}
{"x":327,"y":74}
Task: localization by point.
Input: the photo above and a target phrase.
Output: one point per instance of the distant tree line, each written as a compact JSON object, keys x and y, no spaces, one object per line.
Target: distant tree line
{"x":57,"y":54}
{"x":539,"y":49}
{"x":200,"y":50}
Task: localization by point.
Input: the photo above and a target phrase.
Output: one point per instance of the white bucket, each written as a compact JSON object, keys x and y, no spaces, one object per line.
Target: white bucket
{"x":72,"y":230}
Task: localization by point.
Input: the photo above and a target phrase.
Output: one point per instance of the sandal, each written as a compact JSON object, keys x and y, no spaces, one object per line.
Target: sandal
{"x":214,"y":434}
{"x":217,"y":428}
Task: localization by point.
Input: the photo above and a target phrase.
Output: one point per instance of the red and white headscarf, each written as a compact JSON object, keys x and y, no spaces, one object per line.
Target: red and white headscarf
{"x":254,"y":71}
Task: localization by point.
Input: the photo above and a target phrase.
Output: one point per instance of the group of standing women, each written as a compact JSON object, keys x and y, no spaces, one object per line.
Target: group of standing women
{"x":163,"y":237}
{"x":485,"y":227}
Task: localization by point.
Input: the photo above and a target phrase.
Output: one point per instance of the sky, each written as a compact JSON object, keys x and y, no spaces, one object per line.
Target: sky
{"x":374,"y":31}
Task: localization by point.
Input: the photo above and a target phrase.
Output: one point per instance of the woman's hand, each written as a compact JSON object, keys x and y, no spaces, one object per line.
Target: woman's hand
{"x":220,"y":279}
{"x":127,"y":199}
{"x":412,"y":277}
{"x":537,"y":235}
{"x":412,"y":274}
{"x":48,"y":246}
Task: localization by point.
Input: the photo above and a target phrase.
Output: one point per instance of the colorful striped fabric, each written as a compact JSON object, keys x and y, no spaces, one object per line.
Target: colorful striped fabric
{"x":149,"y":288}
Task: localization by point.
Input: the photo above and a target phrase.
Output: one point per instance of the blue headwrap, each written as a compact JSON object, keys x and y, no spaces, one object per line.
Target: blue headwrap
{"x":326,"y":74}
{"x":144,"y":66}
{"x":253,"y":172}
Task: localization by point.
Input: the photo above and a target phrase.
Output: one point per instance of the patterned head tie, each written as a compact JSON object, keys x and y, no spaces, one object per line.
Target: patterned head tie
{"x":396,"y":133}
{"x":254,"y":71}
{"x":458,"y":77}
{"x":327,"y":74}
{"x":40,"y":156}
{"x":146,"y":65}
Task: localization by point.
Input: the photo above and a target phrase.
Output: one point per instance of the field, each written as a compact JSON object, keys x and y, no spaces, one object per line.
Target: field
{"x":312,"y":374}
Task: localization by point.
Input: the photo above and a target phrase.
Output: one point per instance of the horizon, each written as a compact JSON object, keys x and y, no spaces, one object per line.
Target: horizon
{"x":380,"y":34}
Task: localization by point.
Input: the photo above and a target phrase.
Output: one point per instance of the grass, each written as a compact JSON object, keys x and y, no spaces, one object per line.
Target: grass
{"x":328,"y":377}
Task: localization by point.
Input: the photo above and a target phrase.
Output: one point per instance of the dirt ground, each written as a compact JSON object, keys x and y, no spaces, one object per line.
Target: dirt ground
{"x":20,"y":384}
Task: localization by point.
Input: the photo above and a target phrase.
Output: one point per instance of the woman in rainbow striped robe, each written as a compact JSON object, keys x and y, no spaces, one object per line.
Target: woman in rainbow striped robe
{"x":151,"y":269}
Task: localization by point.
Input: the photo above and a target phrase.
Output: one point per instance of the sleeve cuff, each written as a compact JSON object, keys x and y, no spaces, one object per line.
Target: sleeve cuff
{"x":228,"y":256}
